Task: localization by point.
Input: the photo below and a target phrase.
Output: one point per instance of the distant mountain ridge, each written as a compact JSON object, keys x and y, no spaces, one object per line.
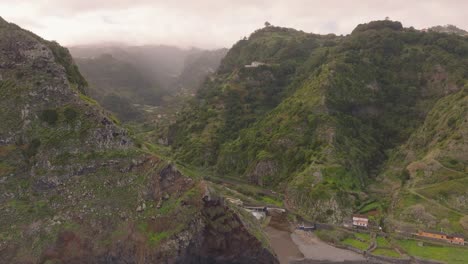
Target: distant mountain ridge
{"x":158,"y":63}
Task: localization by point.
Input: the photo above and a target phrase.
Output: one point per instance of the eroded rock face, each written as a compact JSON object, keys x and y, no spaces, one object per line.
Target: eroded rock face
{"x":169,"y":182}
{"x":226,"y":239}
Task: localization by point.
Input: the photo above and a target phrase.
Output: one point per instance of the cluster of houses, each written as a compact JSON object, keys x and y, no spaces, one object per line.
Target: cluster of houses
{"x":362,"y":221}
{"x":359,"y":221}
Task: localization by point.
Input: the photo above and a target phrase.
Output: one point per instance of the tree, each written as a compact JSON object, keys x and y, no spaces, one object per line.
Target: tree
{"x":267,"y":24}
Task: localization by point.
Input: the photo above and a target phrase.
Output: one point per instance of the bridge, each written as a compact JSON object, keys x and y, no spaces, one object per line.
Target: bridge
{"x":265,"y":209}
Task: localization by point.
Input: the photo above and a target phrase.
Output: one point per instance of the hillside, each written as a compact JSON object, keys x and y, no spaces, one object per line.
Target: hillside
{"x":76,"y":188}
{"x":324,"y":118}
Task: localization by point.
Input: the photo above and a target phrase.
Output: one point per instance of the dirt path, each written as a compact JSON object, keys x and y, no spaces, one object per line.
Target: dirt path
{"x":436,"y":203}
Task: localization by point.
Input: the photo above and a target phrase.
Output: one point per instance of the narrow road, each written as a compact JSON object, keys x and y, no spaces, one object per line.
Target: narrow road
{"x":412,"y":191}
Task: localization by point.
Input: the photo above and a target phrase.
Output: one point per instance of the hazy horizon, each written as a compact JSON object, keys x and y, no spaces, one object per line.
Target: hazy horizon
{"x":209,"y":23}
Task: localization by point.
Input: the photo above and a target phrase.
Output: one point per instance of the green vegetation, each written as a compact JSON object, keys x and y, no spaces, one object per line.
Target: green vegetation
{"x":370,"y":207}
{"x":325,"y":115}
{"x":331,"y":236}
{"x":69,"y":174}
{"x":63,"y":57}
{"x":382,"y":242}
{"x":360,"y":241}
{"x":386,"y":252}
{"x":373,"y":122}
{"x":70,"y":114}
{"x":448,"y":254}
{"x":356,"y":243}
{"x":50,"y":116}
{"x":271,"y":201}
{"x":88,"y":99}
{"x":155,"y":238}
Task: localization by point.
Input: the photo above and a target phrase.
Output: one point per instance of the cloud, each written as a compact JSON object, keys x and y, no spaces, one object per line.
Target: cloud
{"x":213,"y":23}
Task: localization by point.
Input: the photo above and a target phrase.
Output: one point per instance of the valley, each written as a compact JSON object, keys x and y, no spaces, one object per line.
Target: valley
{"x":157,"y":154}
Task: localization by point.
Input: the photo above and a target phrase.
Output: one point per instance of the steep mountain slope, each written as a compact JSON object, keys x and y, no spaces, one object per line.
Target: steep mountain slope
{"x":74,"y":188}
{"x":320,"y":117}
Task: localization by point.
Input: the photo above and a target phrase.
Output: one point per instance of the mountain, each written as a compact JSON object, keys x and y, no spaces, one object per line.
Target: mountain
{"x":372,"y":121}
{"x":75,"y":187}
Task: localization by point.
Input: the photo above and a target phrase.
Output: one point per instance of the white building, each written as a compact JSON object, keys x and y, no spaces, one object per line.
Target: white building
{"x":360,"y":221}
{"x":255,"y":64}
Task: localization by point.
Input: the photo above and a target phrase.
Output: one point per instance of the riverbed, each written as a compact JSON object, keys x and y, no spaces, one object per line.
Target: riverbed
{"x":290,"y":244}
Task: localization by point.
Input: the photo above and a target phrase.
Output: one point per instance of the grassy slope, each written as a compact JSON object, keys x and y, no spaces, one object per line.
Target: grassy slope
{"x":450,"y":255}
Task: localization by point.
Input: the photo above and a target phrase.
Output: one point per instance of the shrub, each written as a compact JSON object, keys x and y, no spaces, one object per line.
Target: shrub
{"x":451,"y":122}
{"x":50,"y":116}
{"x":70,"y":114}
{"x":32,"y":148}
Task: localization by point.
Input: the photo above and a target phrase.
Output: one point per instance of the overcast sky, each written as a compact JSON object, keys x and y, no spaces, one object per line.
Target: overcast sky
{"x":213,"y":23}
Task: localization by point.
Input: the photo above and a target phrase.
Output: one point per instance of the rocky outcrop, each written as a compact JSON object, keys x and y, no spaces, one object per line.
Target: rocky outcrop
{"x":226,"y":238}
{"x":169,"y":182}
